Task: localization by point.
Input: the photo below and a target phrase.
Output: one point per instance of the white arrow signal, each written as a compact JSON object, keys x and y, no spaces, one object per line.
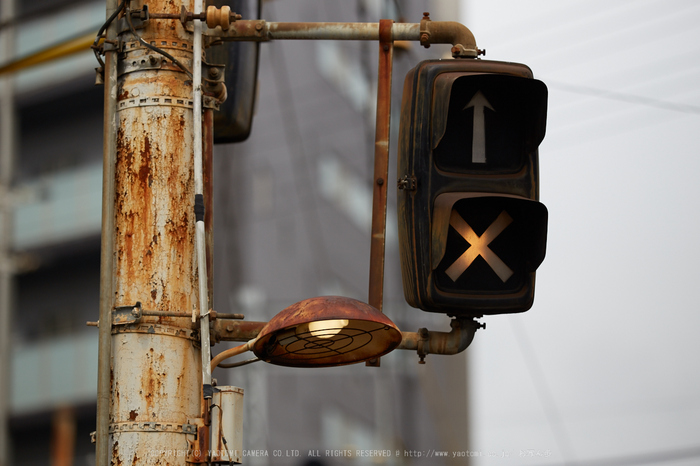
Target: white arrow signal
{"x":479,"y":103}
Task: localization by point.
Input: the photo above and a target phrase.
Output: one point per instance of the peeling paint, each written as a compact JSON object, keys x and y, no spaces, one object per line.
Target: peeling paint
{"x":156,"y":373}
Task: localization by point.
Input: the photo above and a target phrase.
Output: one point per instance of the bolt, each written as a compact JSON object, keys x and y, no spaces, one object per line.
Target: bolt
{"x":426,"y":14}
{"x":425,"y":40}
{"x":214,"y":73}
{"x":258,"y":27}
{"x":380,"y":181}
{"x":153,"y":60}
{"x":229,"y":328}
{"x":481,"y":51}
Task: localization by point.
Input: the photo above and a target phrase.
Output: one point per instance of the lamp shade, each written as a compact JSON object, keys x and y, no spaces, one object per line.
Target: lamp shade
{"x":326,"y":331}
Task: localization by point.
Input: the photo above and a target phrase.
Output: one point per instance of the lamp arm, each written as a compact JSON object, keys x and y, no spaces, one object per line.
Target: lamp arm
{"x":231,"y":352}
{"x":427,"y":342}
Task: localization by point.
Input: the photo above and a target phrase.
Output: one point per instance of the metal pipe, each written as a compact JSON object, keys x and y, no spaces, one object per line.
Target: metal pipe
{"x":336,"y":31}
{"x":7,"y":150}
{"x":451,"y":32}
{"x":200,"y":235}
{"x":239,"y":330}
{"x":427,"y":32}
{"x":213,"y":314}
{"x":60,"y":50}
{"x":322,"y":31}
{"x":427,"y":342}
{"x":381,"y":170}
{"x":208,"y":162}
{"x":231,"y":352}
{"x":109,"y":157}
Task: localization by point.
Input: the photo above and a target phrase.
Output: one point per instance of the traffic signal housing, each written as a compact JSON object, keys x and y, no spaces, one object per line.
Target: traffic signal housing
{"x":234,"y":119}
{"x":471,"y":229}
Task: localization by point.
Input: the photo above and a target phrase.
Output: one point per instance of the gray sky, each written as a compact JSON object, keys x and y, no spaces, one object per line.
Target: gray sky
{"x":606,"y":362}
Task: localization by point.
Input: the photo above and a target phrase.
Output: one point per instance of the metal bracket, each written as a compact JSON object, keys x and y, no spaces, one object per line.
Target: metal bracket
{"x":139,"y":18}
{"x":213,"y":83}
{"x":152,"y":61}
{"x":127,"y":315}
{"x":424,"y":32}
{"x":423,"y":347}
{"x":407,"y":182}
{"x":197,"y":451}
{"x":155,"y":329}
{"x":139,"y":58}
{"x":188,"y":429}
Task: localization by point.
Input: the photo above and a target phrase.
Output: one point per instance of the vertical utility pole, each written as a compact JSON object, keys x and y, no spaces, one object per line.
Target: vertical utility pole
{"x":156,"y":387}
{"x":7,"y":148}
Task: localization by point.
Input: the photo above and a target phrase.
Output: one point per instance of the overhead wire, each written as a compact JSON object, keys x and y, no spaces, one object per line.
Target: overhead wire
{"x":544,"y":393}
{"x":301,"y":170}
{"x":625,"y":97}
{"x":654,"y":457}
{"x":595,"y":40}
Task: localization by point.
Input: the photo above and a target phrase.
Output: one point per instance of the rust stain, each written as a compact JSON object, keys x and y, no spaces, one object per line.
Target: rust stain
{"x":154,"y":181}
{"x":144,"y":173}
{"x":116,"y":398}
{"x":116,"y":460}
{"x":154,"y":237}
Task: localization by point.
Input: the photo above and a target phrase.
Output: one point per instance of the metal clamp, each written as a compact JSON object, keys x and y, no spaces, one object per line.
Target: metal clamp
{"x":119,"y":427}
{"x":423,"y":346}
{"x":127,"y":315}
{"x":408,"y":183}
{"x":424,"y":32}
{"x":139,"y":18}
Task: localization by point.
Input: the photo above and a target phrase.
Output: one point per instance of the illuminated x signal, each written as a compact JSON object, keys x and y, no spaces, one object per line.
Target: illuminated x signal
{"x":479,"y":246}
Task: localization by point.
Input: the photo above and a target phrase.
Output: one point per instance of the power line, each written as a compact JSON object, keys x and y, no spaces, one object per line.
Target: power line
{"x":656,"y":457}
{"x":549,"y":407}
{"x":624,"y":97}
{"x":301,"y":167}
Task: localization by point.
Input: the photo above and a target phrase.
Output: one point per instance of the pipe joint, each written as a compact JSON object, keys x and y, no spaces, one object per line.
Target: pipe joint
{"x":426,"y":342}
{"x":448,"y":32}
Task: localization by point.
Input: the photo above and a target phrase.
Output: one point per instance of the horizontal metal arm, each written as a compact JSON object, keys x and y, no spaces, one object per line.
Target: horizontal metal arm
{"x":427,"y":32}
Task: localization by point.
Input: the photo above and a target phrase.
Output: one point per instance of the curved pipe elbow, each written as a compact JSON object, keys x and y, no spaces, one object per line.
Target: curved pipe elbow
{"x":452,"y":32}
{"x":426,"y":342}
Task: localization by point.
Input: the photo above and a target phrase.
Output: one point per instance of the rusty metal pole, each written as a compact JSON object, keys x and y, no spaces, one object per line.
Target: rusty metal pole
{"x":381,"y":169}
{"x":109,"y":157}
{"x":156,"y":361}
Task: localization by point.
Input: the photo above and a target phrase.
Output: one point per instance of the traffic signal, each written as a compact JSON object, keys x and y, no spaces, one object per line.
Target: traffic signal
{"x":234,"y":119}
{"x":471,"y":229}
